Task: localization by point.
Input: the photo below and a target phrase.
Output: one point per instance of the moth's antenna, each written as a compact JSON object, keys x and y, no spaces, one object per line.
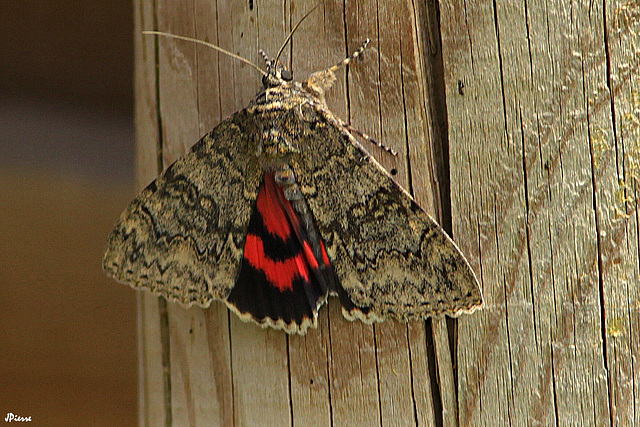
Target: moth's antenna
{"x":293,"y":31}
{"x":320,"y":81}
{"x":351,"y":57}
{"x":213,"y":46}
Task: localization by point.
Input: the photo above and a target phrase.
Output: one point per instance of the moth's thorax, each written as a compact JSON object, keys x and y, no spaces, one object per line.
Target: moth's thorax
{"x":280,"y":113}
{"x":288,"y":94}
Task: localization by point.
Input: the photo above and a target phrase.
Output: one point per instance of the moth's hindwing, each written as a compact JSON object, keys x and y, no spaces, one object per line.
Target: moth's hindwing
{"x":390,"y":256}
{"x":183,"y":236}
{"x":282,"y":281}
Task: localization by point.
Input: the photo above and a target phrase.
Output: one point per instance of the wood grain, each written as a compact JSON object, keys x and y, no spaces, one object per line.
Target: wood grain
{"x":536,"y":97}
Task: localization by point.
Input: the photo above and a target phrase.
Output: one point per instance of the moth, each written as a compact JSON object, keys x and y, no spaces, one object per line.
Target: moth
{"x":280,"y":207}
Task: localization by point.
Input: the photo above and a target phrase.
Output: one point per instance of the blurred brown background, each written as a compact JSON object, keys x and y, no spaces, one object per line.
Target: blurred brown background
{"x":67,"y":333}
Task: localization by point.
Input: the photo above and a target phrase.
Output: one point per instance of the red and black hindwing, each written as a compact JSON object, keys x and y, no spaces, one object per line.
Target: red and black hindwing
{"x":281,"y":281}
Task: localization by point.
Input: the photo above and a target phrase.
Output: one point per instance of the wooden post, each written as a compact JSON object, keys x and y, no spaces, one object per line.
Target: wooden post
{"x":541,"y":121}
{"x":542,"y":102}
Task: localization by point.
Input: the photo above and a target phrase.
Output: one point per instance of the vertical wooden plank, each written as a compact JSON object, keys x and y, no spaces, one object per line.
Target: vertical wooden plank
{"x":381,"y":97}
{"x":556,"y":241}
{"x":146,"y":119}
{"x":178,"y":108}
{"x":264,"y":384}
{"x":471,"y":68}
{"x":178,"y":95}
{"x":260,"y":375}
{"x":193,"y":379}
{"x":593,"y":113}
{"x":395,"y":370}
{"x":523,"y":353}
{"x":421,"y":379}
{"x":310,"y":384}
{"x":212,"y":89}
{"x":201,"y":379}
{"x":353,"y":374}
{"x":619,"y":159}
{"x":209,"y":75}
{"x":353,"y":382}
{"x":429,"y":169}
{"x":560,"y":135}
{"x":477,"y":143}
{"x":151,"y":399}
{"x":310,"y":356}
{"x":151,"y":407}
{"x":218,"y":333}
{"x":407,"y":67}
{"x":318,"y":44}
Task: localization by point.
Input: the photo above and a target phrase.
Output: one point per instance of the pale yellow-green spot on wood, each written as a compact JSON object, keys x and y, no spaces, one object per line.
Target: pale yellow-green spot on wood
{"x":615,"y":328}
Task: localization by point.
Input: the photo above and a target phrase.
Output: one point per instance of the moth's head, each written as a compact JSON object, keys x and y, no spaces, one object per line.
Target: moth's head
{"x":276,"y":74}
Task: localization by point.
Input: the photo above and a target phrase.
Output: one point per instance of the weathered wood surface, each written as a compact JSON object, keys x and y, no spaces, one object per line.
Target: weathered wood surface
{"x":541,"y":105}
{"x":543,"y":121}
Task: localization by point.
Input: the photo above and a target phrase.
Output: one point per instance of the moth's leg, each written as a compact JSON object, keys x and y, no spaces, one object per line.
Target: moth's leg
{"x":368,"y":138}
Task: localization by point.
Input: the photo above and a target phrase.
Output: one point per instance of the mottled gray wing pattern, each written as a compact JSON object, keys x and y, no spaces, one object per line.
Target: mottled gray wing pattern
{"x":183,"y":236}
{"x":388,"y":253}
